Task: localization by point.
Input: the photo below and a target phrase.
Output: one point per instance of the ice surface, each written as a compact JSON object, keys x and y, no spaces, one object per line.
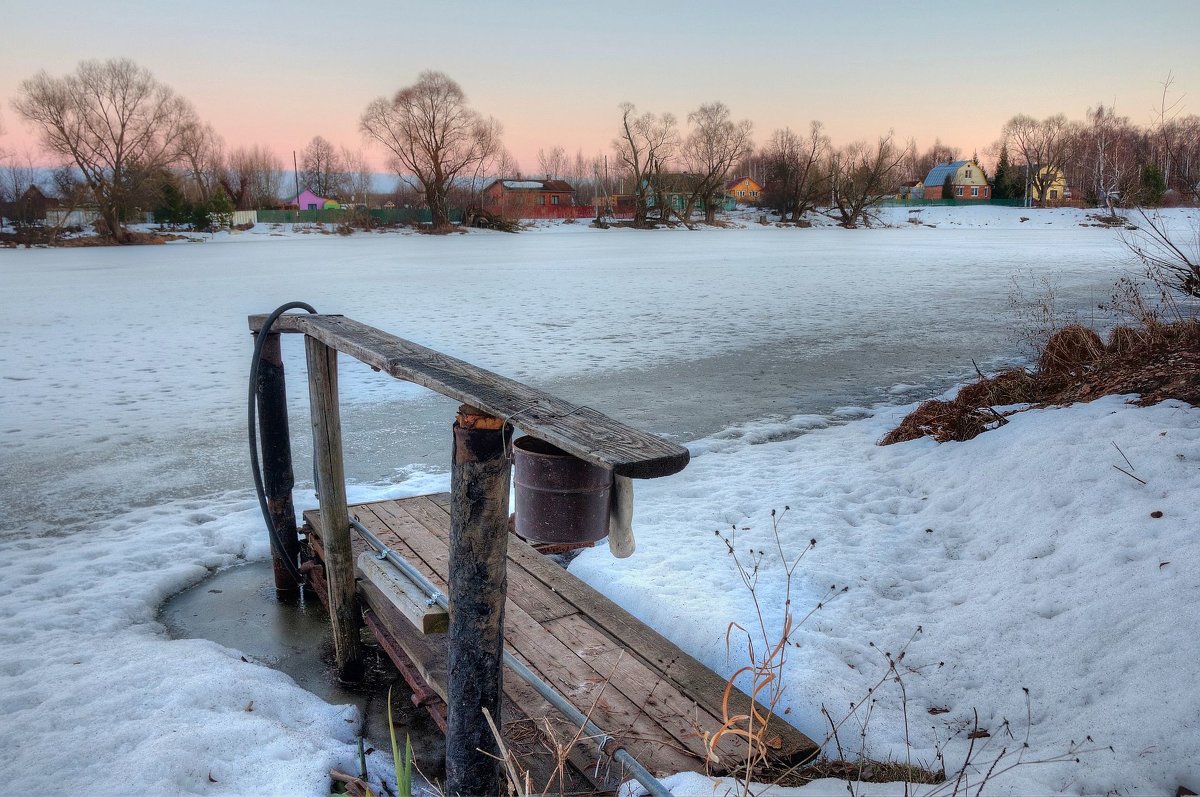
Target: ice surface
{"x":125,"y":479}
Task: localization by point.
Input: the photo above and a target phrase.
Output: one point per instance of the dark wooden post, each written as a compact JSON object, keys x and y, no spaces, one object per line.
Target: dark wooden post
{"x":278,"y":479}
{"x":335,"y":517}
{"x":478,"y":583}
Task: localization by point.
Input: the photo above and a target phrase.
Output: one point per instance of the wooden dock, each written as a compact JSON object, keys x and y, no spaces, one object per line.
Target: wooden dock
{"x":655,"y":700}
{"x":653,"y":708}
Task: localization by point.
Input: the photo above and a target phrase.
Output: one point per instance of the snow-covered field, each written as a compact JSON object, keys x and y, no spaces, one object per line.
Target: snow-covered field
{"x":1028,"y":561}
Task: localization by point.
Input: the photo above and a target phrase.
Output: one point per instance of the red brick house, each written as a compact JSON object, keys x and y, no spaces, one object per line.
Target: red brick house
{"x":524,"y":199}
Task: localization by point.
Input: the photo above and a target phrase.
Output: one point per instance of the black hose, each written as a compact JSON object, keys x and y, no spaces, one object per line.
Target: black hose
{"x":252,"y":426}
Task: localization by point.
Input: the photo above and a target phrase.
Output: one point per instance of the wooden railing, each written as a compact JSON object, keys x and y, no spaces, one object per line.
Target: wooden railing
{"x":480,"y":477}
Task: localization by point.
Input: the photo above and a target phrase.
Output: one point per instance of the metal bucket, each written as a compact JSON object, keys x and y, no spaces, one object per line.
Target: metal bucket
{"x":560,"y":498}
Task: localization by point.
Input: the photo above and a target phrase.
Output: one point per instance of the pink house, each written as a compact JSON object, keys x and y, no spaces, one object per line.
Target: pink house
{"x":307,"y":200}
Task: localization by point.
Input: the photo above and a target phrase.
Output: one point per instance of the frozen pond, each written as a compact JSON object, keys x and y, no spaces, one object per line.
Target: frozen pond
{"x":124,"y":370}
{"x":122,"y":410}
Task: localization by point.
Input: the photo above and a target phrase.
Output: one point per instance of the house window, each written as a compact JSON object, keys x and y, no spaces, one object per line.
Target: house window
{"x":554,"y":199}
{"x":974,"y":190}
{"x":741,"y":193}
{"x":968,"y":172}
{"x":1054,"y":193}
{"x":958,"y":190}
{"x":541,"y":199}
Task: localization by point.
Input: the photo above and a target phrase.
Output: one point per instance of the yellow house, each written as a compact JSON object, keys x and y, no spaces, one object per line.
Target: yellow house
{"x":744,"y":189}
{"x":965,"y":180}
{"x":1048,"y":186}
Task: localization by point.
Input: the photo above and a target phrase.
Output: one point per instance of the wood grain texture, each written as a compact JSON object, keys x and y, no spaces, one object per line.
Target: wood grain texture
{"x":656,"y":651}
{"x":660,"y":701}
{"x":335,"y":521}
{"x":406,"y":596}
{"x":581,"y":431}
{"x":479,"y":480}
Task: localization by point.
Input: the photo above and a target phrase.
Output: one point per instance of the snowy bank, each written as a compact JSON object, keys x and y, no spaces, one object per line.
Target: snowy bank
{"x":1026,"y":558}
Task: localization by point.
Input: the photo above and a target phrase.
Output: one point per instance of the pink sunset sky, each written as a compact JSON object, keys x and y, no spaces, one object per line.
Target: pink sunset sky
{"x":554,"y":73}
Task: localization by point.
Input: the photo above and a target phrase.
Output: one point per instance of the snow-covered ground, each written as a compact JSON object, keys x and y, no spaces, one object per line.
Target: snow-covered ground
{"x":1025,"y":557}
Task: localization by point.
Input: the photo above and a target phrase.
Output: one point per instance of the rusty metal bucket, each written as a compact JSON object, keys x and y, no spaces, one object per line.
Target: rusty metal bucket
{"x":560,"y":498}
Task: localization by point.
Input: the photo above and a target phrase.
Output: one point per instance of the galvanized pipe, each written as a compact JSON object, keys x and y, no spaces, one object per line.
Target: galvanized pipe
{"x":653,"y":786}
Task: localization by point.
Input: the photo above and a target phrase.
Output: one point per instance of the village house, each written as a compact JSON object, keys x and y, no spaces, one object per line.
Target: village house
{"x":527,"y":198}
{"x":307,"y":200}
{"x":963,"y":179}
{"x":910,"y":190}
{"x":1047,"y":186}
{"x":744,"y":189}
{"x":30,"y":207}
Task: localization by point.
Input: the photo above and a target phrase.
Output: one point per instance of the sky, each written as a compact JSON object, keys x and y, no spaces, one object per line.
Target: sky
{"x":554,"y":73}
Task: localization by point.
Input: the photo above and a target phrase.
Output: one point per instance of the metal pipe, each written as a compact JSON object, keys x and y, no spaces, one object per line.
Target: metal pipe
{"x":653,"y":786}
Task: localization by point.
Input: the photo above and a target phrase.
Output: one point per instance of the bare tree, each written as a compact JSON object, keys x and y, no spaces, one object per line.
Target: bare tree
{"x":919,"y":164}
{"x":17,"y":175}
{"x":3,"y":151}
{"x":1043,"y":146}
{"x":797,"y":172}
{"x":553,"y":163}
{"x":432,"y":135}
{"x":644,"y":147}
{"x":1171,"y":258}
{"x":862,"y":176}
{"x":1106,"y":146}
{"x":203,"y":158}
{"x":115,"y":122}
{"x":253,"y":177}
{"x":357,"y":176}
{"x":713,"y":146}
{"x":494,"y":160}
{"x":321,"y":168}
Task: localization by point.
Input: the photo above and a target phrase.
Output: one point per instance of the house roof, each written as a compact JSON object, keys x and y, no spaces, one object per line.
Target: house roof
{"x":536,"y":185}
{"x":937,"y":175}
{"x":737,"y":180}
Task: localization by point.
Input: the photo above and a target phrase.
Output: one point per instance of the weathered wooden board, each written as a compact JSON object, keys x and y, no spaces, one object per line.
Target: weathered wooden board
{"x":581,"y":431}
{"x":407,"y":597}
{"x":630,"y":680}
{"x":638,"y":639}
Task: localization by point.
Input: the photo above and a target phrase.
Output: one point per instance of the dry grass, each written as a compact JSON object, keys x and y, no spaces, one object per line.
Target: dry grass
{"x":1070,"y":350}
{"x":1157,"y":360}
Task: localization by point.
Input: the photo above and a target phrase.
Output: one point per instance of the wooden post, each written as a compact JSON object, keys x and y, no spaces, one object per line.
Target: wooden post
{"x":335,"y":518}
{"x":278,"y":479}
{"x":478,"y":554}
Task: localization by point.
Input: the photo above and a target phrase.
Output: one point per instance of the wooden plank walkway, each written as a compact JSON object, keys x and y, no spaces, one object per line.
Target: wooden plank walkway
{"x":657,"y":701}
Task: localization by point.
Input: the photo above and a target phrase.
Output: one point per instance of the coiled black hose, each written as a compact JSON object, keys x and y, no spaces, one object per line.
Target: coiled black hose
{"x":252,"y":427}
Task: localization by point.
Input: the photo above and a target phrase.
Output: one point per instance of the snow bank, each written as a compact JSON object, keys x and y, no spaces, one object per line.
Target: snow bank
{"x":1026,"y":558}
{"x":97,"y":701}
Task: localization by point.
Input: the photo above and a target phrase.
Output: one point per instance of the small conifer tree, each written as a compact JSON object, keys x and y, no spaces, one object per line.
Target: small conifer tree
{"x":1002,"y":187}
{"x":1154,"y":185}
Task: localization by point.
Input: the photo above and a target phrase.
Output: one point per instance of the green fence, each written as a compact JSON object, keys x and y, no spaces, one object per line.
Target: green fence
{"x":380,"y":215}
